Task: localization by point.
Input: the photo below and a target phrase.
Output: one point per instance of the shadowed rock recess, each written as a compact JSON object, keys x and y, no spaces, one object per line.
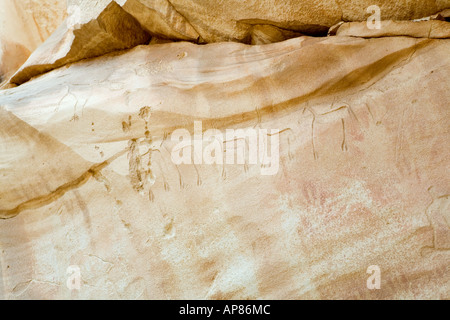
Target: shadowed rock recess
{"x":93,"y":93}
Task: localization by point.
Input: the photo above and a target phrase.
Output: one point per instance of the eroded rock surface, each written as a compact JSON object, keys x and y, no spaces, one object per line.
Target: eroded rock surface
{"x":24,"y":25}
{"x":100,"y":27}
{"x":87,"y":178}
{"x":361,"y":145}
{"x":433,"y":29}
{"x":112,"y":30}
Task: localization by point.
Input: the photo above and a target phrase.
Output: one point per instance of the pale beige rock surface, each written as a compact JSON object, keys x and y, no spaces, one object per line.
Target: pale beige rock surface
{"x":87,"y":179}
{"x":364,"y":140}
{"x":24,"y":25}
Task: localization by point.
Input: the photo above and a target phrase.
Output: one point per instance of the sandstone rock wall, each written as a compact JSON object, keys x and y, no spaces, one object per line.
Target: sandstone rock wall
{"x":24,"y":25}
{"x":96,"y":28}
{"x":87,"y":177}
